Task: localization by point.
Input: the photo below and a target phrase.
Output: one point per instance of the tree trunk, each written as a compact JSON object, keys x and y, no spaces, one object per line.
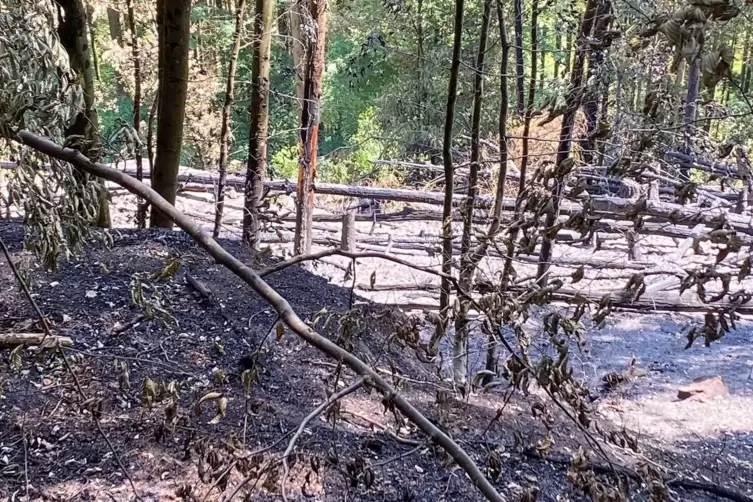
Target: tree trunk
{"x":173,"y":84}
{"x":526,"y":133}
{"x":140,"y":215}
{"x":116,"y":34}
{"x":494,"y":227}
{"x":420,"y":62}
{"x":95,"y":56}
{"x":573,"y":101}
{"x":467,"y":265}
{"x":594,"y":91}
{"x":225,"y":130}
{"x":691,"y":106}
{"x":452,"y":94}
{"x":257,"y":147}
{"x":314,"y":14}
{"x":558,"y":52}
{"x":542,"y":73}
{"x":568,"y":52}
{"x":519,"y":64}
{"x":72,"y":30}
{"x":299,"y":47}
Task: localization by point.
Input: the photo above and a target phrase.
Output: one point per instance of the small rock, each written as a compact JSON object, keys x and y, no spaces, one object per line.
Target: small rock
{"x":703,"y":389}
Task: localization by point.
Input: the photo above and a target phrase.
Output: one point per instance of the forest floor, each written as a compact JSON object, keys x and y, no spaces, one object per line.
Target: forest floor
{"x":51,"y":450}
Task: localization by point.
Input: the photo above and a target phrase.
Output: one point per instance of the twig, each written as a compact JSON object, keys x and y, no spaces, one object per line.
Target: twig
{"x":48,"y":333}
{"x":130,"y":324}
{"x":317,"y":411}
{"x":398,"y":457}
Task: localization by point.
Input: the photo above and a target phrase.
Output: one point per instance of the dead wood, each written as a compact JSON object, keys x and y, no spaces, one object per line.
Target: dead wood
{"x":15,"y":339}
{"x":283,"y":308}
{"x":199,"y":286}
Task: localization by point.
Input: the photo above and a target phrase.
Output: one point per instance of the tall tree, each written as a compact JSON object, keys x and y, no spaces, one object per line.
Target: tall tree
{"x":564,"y":163}
{"x":519,"y":64}
{"x":140,"y":212}
{"x":173,"y":85}
{"x":467,"y":264}
{"x":72,"y":30}
{"x":526,"y":138}
{"x":257,"y":147}
{"x":314,"y":15}
{"x":225,"y":128}
{"x":596,"y":89}
{"x":452,"y":96}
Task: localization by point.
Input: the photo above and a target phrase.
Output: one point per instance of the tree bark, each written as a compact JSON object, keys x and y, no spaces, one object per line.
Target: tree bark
{"x":257,"y":147}
{"x":226,"y":108}
{"x":558,"y":50}
{"x":519,"y":63}
{"x":573,"y":101}
{"x":299,"y":48}
{"x":314,"y":14}
{"x":72,"y":30}
{"x":173,"y":87}
{"x":140,"y":215}
{"x":467,"y":265}
{"x":452,"y":94}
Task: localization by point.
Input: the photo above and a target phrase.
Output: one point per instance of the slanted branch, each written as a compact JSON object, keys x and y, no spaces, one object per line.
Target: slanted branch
{"x":280,"y":304}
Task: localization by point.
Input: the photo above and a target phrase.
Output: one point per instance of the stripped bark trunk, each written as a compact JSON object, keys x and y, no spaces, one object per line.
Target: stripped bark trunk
{"x":507,"y":269}
{"x":140,"y":215}
{"x":519,"y":64}
{"x":573,"y":102}
{"x":225,"y":128}
{"x":72,"y":30}
{"x":467,"y":265}
{"x":452,"y":92}
{"x":257,"y":137}
{"x":314,"y":14}
{"x":173,"y":82}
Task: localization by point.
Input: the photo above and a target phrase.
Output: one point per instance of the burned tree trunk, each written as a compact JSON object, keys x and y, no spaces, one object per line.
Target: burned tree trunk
{"x":173,"y":85}
{"x":452,"y":94}
{"x":225,"y":129}
{"x":519,"y":64}
{"x":526,"y":133}
{"x":140,"y":215}
{"x":314,"y":15}
{"x":72,"y":30}
{"x":257,"y":137}
{"x":573,"y":101}
{"x":467,"y":264}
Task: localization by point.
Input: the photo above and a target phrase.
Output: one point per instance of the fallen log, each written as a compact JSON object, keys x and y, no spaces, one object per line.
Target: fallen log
{"x":693,"y":162}
{"x":15,"y":339}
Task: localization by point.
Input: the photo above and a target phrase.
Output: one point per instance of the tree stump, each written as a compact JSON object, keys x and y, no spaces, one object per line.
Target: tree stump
{"x":635,"y":251}
{"x":348,"y":236}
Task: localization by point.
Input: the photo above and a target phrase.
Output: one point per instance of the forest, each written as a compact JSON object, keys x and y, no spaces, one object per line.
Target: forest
{"x":402,"y":250}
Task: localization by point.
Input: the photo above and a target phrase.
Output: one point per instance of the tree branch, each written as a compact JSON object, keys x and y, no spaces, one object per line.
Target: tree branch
{"x":283,"y":308}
